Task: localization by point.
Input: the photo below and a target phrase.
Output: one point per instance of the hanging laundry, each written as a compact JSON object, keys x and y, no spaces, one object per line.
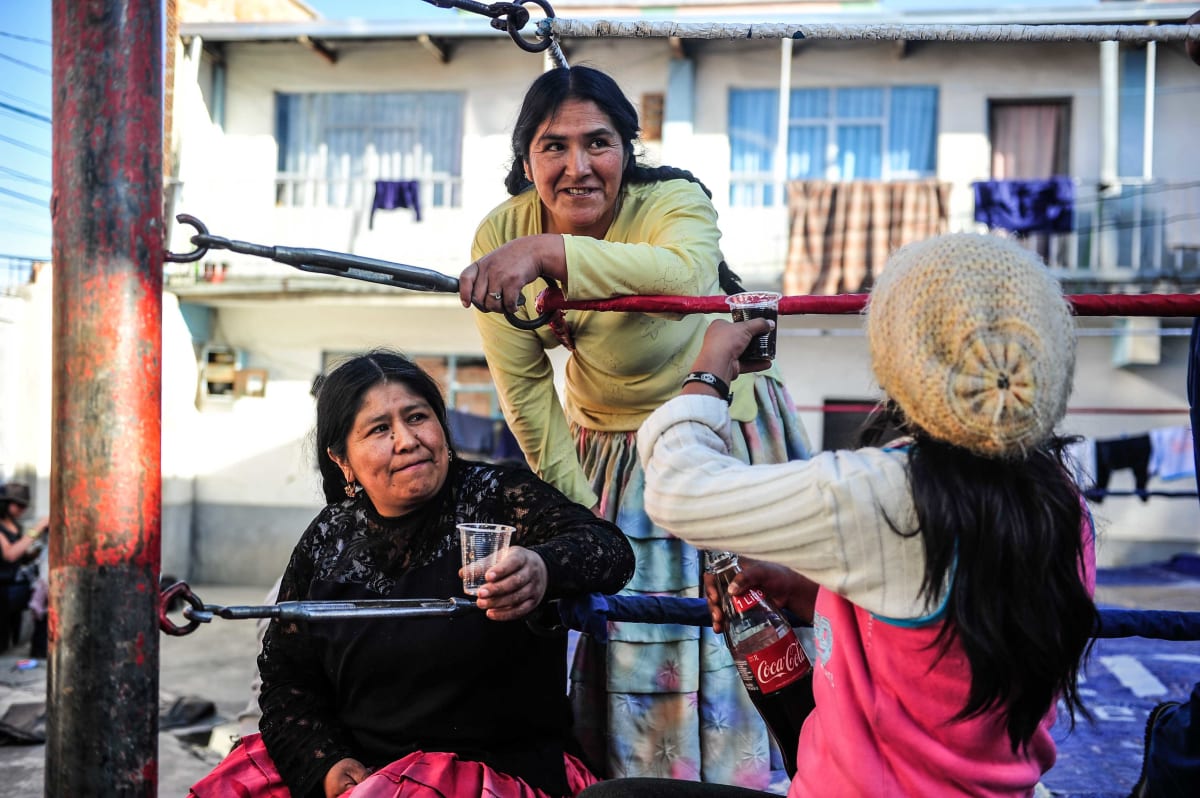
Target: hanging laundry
{"x":1119,"y":453}
{"x":1081,"y":462}
{"x":1026,"y":206}
{"x":483,"y":437}
{"x":1171,"y":453}
{"x":507,"y":449}
{"x":471,"y":434}
{"x":392,"y":194}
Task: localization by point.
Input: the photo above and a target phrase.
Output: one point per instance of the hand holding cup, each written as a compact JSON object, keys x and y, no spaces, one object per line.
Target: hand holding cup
{"x":756,"y":305}
{"x":515,"y":585}
{"x":483,"y":545}
{"x":724,"y":344}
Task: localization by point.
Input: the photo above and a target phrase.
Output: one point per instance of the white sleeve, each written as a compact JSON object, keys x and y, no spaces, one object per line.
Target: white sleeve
{"x":830,"y":517}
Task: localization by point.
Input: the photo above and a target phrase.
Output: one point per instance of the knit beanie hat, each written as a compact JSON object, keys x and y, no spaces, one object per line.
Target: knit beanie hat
{"x":972,"y":338}
{"x":15,"y":492}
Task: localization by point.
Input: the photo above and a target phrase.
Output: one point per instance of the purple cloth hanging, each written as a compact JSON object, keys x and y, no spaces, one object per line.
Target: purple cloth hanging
{"x":1026,"y":206}
{"x":392,"y":194}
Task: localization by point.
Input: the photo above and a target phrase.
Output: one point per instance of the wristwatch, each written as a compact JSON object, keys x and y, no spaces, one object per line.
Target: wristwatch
{"x":713,"y":381}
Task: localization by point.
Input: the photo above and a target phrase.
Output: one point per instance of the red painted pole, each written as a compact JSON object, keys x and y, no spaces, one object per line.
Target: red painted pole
{"x":106,"y":484}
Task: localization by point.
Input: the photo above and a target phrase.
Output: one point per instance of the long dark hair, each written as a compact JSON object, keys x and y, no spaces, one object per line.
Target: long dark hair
{"x":555,"y":87}
{"x":340,"y":397}
{"x":1007,"y":533}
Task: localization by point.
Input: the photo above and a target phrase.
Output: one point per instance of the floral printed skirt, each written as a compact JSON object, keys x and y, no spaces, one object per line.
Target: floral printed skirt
{"x":664,"y":700}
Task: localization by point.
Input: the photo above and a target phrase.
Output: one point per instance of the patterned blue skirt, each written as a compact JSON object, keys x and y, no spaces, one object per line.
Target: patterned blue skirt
{"x":665,"y":700}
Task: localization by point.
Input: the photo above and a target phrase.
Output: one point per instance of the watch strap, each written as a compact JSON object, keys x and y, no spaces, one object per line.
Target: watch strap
{"x":711,"y":380}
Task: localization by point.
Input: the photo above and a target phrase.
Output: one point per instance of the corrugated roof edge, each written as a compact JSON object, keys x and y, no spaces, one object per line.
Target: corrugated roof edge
{"x":478,"y":26}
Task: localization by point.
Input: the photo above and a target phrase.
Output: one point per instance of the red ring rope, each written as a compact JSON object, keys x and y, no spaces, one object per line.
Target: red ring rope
{"x":861,"y":407}
{"x":1163,"y":305}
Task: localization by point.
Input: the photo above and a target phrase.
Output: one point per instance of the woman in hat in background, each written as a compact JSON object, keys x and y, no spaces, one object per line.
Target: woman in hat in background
{"x":955,"y":568}
{"x":17,"y":547}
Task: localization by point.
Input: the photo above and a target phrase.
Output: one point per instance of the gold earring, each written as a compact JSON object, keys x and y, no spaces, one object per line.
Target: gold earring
{"x":350,"y":489}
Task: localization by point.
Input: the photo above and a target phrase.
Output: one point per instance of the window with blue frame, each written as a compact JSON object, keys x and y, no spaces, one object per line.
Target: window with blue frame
{"x":852,"y":133}
{"x":333,"y":146}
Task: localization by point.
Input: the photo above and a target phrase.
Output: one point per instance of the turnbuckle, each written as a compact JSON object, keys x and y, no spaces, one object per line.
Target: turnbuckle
{"x":197,"y":612}
{"x":339,"y":264}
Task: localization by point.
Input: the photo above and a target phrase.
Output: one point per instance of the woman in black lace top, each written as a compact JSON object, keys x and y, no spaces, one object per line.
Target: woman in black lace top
{"x":472,"y":704}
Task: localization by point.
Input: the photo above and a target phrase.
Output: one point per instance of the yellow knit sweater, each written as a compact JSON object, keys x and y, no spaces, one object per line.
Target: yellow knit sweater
{"x":664,"y":240}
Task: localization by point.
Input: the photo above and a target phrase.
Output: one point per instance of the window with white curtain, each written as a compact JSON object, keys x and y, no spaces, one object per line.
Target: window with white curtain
{"x":852,"y":133}
{"x":334,"y":146}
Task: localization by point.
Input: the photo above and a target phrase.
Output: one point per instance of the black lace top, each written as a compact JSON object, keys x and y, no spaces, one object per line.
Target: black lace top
{"x":378,"y":689}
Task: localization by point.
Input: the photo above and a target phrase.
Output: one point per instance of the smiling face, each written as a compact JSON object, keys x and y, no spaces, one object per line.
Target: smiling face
{"x":575,"y":162}
{"x":396,"y":449}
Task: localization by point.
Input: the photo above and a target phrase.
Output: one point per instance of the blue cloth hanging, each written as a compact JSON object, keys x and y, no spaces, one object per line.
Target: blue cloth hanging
{"x":1026,"y":206}
{"x":392,"y":194}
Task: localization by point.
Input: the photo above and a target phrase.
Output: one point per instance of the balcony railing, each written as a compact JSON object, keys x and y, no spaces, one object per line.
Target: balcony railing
{"x":298,"y":191}
{"x":1132,"y":231}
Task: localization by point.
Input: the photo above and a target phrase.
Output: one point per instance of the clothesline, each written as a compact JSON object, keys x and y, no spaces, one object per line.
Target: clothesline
{"x":1142,"y":494}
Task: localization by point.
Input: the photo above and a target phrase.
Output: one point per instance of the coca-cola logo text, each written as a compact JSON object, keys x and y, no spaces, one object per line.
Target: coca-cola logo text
{"x":779,"y":664}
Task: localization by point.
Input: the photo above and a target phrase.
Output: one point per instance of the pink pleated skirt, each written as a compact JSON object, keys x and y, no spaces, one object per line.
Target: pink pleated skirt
{"x":248,"y":772}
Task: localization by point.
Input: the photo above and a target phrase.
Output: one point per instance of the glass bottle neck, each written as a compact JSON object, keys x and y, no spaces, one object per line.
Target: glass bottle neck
{"x":717,"y":561}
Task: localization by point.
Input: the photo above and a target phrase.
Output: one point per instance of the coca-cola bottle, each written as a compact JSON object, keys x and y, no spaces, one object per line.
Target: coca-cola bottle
{"x":769,"y":659}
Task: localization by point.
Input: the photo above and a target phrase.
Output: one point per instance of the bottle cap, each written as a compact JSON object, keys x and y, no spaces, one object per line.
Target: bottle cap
{"x":715,"y":561}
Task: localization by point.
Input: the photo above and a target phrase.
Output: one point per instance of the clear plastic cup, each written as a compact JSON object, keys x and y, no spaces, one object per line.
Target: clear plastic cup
{"x":757,"y":305}
{"x":482,"y":546}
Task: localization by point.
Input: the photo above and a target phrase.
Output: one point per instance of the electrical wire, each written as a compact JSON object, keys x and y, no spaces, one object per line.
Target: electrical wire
{"x":24,"y":145}
{"x":23,"y":112}
{"x":25,"y":197}
{"x":21,"y":38}
{"x":26,"y":64}
{"x":22,"y":176}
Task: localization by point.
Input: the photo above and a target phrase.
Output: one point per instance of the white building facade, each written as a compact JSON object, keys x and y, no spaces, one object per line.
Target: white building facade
{"x":283,"y":130}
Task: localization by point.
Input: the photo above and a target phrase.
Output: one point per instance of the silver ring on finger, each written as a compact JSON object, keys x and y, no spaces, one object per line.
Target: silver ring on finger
{"x":496,"y":295}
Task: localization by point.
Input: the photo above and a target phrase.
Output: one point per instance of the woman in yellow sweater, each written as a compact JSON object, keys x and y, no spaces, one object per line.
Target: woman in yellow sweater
{"x":656,"y":700}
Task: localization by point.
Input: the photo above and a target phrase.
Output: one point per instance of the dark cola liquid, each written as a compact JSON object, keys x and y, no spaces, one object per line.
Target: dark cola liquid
{"x":784,"y":712}
{"x":761,"y":347}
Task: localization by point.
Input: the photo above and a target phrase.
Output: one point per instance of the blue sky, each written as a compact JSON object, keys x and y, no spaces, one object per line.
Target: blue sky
{"x":380,"y":9}
{"x":25,"y":60}
{"x":25,"y":105}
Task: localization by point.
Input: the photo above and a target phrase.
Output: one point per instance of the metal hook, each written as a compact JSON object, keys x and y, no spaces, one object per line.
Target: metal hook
{"x":516,"y":20}
{"x":201,"y":249}
{"x":195,"y":611}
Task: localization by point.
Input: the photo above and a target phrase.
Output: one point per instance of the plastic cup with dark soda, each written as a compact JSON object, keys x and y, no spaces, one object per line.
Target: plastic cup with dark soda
{"x":756,"y":305}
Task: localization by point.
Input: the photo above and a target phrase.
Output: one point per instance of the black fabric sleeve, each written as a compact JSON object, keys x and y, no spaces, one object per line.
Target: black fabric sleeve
{"x":583,"y":553}
{"x":299,"y":725}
